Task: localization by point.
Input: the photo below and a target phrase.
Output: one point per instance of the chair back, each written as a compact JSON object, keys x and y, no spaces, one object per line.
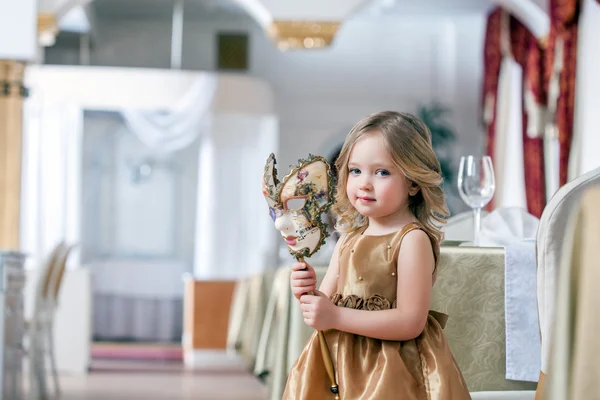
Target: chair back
{"x":550,"y":235}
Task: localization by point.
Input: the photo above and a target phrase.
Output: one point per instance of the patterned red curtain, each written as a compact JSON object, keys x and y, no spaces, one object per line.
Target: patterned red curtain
{"x":533,"y":142}
{"x":492,"y":59}
{"x":527,"y":53}
{"x":564,"y":16}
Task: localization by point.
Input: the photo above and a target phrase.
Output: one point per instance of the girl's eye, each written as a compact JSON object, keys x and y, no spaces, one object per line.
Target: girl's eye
{"x":354,"y":171}
{"x":383,"y":172}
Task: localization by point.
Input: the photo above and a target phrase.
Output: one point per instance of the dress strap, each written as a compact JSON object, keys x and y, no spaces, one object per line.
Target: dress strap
{"x":411,"y":227}
{"x":345,"y":241}
{"x":407,"y":228}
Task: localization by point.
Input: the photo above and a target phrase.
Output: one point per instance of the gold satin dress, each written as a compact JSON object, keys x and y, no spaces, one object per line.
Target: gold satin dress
{"x":366,"y":368}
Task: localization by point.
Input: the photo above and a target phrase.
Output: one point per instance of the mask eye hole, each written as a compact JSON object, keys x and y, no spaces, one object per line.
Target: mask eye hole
{"x":275,"y":213}
{"x":295,"y":203}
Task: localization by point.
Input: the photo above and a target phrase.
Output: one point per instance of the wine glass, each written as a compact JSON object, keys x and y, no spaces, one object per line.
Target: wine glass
{"x":476,"y":185}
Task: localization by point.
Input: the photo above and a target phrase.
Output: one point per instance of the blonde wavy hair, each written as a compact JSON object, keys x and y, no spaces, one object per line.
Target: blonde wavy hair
{"x":409,"y":142}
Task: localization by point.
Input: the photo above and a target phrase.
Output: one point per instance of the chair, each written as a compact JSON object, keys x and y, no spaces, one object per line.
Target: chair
{"x":41,"y":327}
{"x":54,"y":291}
{"x":573,"y":365}
{"x":237,"y":315}
{"x":550,"y":236}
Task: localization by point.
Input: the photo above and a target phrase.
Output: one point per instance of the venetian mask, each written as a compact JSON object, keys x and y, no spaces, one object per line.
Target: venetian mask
{"x":298,"y":201}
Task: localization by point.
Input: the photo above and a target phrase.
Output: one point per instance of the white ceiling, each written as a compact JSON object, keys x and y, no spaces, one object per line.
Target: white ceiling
{"x":200,"y":8}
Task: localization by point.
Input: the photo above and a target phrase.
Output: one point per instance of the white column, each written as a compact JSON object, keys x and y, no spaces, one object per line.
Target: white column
{"x":234,"y":234}
{"x":586,"y":141}
{"x":206,"y":210}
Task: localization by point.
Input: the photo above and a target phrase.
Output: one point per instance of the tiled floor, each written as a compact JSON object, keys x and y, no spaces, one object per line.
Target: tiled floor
{"x":161,"y":381}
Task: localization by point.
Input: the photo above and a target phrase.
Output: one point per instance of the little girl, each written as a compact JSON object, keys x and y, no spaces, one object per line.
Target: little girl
{"x":373,"y":303}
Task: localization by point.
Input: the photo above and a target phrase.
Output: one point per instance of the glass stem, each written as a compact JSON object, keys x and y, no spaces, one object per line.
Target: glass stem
{"x":477,"y":225}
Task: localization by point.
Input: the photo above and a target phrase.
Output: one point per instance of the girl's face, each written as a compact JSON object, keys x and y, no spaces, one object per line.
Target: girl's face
{"x":376,"y":187}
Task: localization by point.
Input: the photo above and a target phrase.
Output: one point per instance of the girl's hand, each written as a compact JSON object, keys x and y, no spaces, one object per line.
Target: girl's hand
{"x":303,"y":282}
{"x":318,"y":311}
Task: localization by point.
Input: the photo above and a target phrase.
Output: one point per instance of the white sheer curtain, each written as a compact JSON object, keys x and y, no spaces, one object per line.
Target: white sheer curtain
{"x":51,"y":183}
{"x":52,"y":165}
{"x":508,"y":157}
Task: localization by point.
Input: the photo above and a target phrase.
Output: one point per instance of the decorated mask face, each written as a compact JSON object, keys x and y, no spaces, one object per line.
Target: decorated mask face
{"x":296,"y":204}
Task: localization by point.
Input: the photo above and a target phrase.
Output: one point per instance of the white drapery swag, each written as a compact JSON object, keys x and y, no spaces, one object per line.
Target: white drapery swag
{"x":52,"y":165}
{"x":167,"y":131}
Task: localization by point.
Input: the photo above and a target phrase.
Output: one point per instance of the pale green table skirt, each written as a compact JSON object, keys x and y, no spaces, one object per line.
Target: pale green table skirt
{"x":470,"y":289}
{"x":247,"y":315}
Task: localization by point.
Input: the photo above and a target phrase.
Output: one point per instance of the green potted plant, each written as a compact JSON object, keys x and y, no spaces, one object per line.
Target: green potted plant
{"x":443,"y":137}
